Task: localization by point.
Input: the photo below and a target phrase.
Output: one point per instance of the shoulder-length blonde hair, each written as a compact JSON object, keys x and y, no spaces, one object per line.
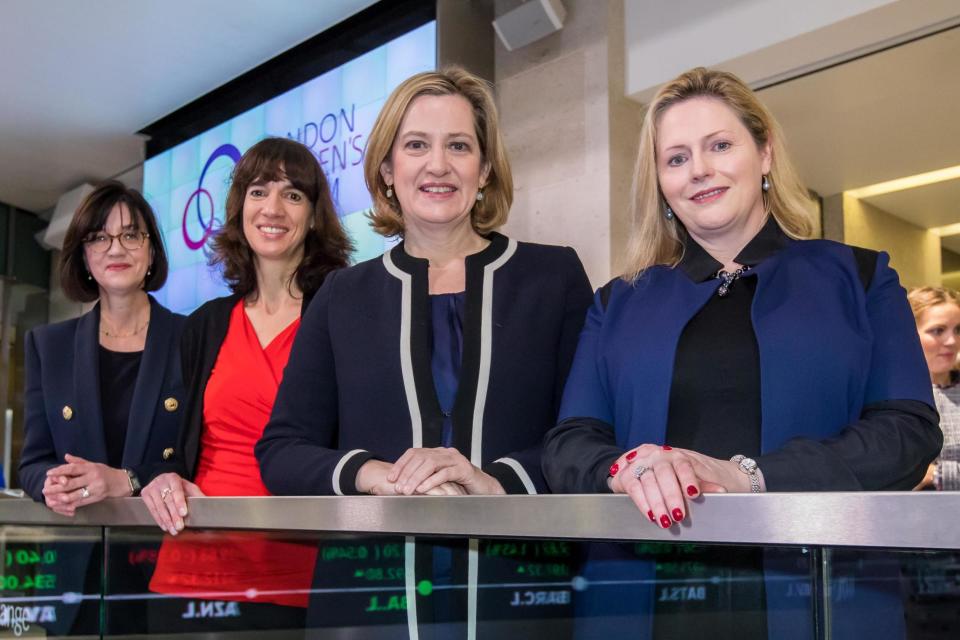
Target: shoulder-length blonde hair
{"x":922,"y":298}
{"x":654,"y":239}
{"x":487,"y":214}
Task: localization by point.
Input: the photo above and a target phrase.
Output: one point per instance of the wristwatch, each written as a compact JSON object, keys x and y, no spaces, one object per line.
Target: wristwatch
{"x":134,"y":482}
{"x":749,"y":467}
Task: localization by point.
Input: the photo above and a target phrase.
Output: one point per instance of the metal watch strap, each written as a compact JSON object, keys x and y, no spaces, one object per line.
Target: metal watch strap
{"x":749,"y":467}
{"x":134,"y":482}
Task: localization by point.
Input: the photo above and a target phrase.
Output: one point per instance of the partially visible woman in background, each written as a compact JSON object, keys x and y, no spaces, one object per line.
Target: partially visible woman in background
{"x":102,"y":390}
{"x":937,"y":312}
{"x":281,"y":238}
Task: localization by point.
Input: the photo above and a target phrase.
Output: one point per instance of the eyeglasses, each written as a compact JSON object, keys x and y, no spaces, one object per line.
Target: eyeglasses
{"x":101,"y":241}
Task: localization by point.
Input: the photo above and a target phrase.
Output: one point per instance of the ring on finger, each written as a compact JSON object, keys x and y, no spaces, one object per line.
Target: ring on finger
{"x":84,"y":492}
{"x":639,"y":470}
{"x":165,"y":493}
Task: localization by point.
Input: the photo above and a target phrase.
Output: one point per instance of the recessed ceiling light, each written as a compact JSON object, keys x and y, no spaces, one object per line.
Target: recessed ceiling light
{"x":909,"y":182}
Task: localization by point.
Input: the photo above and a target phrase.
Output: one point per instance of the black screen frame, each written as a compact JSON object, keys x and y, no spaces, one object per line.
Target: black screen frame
{"x":374,"y":26}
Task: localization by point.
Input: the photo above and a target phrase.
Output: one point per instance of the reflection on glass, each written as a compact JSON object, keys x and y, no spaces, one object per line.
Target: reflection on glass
{"x":50,"y":584}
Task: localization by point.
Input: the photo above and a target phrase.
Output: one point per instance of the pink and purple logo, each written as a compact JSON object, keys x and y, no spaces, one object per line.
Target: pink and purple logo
{"x":207,"y":222}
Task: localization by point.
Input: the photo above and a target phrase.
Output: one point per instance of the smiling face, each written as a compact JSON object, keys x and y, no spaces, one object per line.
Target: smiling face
{"x":710,"y":170}
{"x":436,"y":165}
{"x":276,"y":216}
{"x":118,"y":270}
{"x":939,"y":327}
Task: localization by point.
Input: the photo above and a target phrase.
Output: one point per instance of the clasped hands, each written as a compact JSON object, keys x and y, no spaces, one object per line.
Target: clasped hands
{"x":660,"y":480}
{"x":80,"y":482}
{"x":442,"y":471}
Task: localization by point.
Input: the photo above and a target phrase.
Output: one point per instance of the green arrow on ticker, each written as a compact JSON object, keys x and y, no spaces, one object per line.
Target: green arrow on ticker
{"x":424,"y":587}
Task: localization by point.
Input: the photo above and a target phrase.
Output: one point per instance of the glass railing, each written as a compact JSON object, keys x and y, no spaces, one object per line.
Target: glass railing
{"x":806,"y":566}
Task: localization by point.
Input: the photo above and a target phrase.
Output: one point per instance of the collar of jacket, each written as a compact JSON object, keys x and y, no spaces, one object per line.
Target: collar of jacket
{"x":499,"y":244}
{"x":701,"y":266}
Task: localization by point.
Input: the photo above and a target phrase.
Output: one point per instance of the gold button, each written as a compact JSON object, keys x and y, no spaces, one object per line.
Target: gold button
{"x":67,"y":412}
{"x":171,"y":404}
{"x":168,"y":452}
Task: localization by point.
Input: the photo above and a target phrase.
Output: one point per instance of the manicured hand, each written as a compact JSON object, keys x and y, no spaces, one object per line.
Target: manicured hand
{"x":422,"y":470}
{"x":166,"y":499}
{"x":80,"y":482}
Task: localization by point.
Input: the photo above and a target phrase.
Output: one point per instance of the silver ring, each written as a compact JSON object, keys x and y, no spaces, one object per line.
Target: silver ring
{"x":165,"y":492}
{"x":639,"y":470}
{"x":84,"y":492}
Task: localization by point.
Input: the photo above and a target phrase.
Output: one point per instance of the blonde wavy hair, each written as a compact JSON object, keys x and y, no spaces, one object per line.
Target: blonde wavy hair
{"x":922,"y":298}
{"x":487,"y":214}
{"x":654,"y":239}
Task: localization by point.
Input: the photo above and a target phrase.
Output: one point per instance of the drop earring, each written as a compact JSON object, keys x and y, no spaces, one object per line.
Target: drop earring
{"x":765,"y":185}
{"x":389,"y":192}
{"x":668,"y":213}
{"x":479,"y":196}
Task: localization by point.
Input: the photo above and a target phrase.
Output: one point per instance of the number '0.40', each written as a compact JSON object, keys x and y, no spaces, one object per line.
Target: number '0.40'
{"x":24,"y":557}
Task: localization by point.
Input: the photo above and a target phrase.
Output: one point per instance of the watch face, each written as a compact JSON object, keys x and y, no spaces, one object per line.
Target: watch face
{"x":749,"y":465}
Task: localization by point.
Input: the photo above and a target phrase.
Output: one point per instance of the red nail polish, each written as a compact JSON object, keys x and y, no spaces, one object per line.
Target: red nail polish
{"x":692,"y":491}
{"x":677,"y":515}
{"x":614,"y":468}
{"x":665,"y":522}
{"x":650,"y":515}
{"x":667,"y":447}
{"x":631,"y":456}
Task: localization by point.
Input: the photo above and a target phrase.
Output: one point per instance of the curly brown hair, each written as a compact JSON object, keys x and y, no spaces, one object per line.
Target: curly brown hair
{"x":326,"y":245}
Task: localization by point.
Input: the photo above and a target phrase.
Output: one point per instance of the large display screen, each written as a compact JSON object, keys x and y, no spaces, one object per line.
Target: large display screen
{"x":331,"y":114}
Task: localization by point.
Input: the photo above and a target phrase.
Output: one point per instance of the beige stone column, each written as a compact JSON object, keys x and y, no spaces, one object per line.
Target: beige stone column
{"x":571,"y":134}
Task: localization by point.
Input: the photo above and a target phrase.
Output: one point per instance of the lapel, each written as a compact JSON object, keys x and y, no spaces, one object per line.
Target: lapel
{"x":149,"y":384}
{"x":86,"y":383}
{"x":417,"y":348}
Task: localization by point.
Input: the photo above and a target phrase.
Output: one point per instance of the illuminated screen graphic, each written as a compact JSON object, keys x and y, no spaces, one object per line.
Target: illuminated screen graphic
{"x":331,"y":114}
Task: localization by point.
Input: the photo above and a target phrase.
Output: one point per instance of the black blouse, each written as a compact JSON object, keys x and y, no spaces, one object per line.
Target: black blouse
{"x":118,"y":377}
{"x":715,"y":392}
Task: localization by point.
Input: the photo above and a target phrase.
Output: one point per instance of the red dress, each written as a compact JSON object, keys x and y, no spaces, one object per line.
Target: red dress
{"x":249,"y":567}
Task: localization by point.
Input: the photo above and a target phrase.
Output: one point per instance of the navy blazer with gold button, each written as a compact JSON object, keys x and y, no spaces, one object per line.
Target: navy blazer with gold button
{"x":62,"y":404}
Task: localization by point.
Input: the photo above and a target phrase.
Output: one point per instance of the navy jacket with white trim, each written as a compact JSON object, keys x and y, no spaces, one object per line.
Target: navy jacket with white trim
{"x":359,"y":384}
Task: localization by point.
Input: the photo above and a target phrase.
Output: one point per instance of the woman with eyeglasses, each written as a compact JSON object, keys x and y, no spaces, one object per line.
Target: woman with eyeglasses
{"x":103,"y":391}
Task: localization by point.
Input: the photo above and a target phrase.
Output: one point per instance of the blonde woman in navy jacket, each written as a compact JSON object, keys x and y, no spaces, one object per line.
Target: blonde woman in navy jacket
{"x":438,"y":367}
{"x":734,"y":355}
{"x":103,"y":391}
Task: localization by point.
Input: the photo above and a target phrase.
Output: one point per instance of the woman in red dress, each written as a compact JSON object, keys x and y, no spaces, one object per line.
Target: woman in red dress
{"x":280,"y":239}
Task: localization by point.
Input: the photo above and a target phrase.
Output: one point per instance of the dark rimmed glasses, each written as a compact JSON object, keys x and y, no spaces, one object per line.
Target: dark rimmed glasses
{"x":101,"y":241}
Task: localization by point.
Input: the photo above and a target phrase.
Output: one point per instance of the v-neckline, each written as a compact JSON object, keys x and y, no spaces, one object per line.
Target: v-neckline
{"x":253,"y":330}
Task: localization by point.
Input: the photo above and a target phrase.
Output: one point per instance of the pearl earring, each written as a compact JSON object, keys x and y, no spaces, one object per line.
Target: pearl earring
{"x":765,"y":185}
{"x":479,"y":196}
{"x":389,"y":192}
{"x":668,"y":214}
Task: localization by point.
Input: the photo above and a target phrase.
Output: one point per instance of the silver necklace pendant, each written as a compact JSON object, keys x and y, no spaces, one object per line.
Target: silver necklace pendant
{"x":727,"y":279}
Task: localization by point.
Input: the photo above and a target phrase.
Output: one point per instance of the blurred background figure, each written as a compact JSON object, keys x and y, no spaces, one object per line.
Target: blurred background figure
{"x":937,"y":312}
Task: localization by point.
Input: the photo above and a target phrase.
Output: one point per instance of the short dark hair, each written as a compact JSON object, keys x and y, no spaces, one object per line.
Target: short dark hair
{"x":90,"y":217}
{"x":326,"y":245}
